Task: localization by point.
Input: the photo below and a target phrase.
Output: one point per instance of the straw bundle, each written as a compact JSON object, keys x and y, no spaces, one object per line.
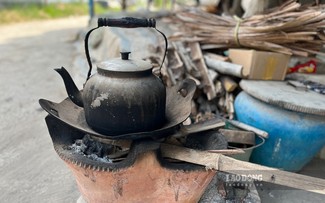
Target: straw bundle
{"x":291,"y":29}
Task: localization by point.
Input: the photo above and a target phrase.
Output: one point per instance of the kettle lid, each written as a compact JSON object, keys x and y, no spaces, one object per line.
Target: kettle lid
{"x":124,"y":64}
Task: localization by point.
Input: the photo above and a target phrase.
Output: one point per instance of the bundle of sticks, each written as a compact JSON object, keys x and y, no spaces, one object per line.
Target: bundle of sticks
{"x":290,"y":29}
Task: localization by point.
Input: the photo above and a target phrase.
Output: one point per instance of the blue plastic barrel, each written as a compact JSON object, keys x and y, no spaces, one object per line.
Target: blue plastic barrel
{"x":294,"y":137}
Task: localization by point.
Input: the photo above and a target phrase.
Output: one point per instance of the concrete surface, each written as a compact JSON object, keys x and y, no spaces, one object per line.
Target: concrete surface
{"x":29,"y":167}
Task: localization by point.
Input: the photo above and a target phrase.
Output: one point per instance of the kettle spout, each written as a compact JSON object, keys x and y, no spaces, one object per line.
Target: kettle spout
{"x":72,"y":90}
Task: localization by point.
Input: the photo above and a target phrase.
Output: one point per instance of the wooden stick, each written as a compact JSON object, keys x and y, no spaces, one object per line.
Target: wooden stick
{"x":233,"y":166}
{"x":230,"y":105}
{"x":219,"y":88}
{"x":227,"y":151}
{"x":209,"y":160}
{"x":183,"y":54}
{"x":216,"y":56}
{"x":197,"y":58}
{"x":224,"y":67}
{"x":217,"y":161}
{"x":228,"y":83}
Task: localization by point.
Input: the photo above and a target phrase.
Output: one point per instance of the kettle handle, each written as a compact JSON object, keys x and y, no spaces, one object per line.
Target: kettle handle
{"x":126,"y":22}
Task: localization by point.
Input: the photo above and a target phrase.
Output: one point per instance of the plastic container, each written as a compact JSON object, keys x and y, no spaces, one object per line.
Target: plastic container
{"x":294,"y":137}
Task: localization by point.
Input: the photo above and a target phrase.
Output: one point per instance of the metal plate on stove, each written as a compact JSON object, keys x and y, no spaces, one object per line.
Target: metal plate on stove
{"x":178,"y":108}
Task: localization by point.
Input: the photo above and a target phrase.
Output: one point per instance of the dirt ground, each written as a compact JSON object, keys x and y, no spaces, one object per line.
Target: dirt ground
{"x":29,"y":167}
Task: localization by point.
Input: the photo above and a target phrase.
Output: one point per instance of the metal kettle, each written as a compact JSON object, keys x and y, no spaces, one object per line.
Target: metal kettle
{"x":124,"y":96}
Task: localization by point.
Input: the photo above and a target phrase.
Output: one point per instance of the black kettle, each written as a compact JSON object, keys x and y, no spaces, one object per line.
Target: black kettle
{"x":124,"y":96}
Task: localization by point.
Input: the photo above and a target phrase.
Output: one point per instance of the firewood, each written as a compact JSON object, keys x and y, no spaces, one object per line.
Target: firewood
{"x":224,"y":67}
{"x":290,"y":29}
{"x":216,"y":56}
{"x":219,"y":88}
{"x":223,"y":163}
{"x":174,"y":69}
{"x":197,"y":57}
{"x":227,"y":151}
{"x":230,"y":105}
{"x":197,"y":81}
{"x":212,"y":75}
{"x":228,"y":83}
{"x":222,"y":104}
{"x":184,"y":55}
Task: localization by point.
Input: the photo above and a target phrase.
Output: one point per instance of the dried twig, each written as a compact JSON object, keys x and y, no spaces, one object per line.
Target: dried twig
{"x":290,"y":29}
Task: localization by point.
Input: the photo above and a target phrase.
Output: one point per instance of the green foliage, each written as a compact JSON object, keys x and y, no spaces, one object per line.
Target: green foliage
{"x":27,"y":12}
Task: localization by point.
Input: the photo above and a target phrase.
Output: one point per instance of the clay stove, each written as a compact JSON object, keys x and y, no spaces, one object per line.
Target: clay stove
{"x":141,"y":174}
